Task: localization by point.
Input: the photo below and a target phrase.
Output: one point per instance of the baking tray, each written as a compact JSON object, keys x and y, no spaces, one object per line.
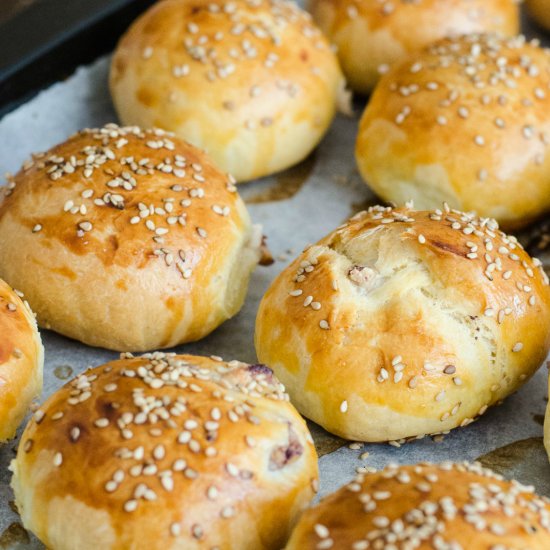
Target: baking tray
{"x":43,"y":41}
{"x":296,"y":208}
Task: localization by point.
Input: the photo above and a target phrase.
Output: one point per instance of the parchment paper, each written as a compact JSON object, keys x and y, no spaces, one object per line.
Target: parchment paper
{"x":296,"y":208}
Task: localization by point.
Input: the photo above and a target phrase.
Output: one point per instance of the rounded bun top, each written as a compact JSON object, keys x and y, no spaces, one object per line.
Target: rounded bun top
{"x":465,"y":120}
{"x":373,"y":35}
{"x":128,"y":239}
{"x":21,"y":359}
{"x":470,"y":258}
{"x":124,"y":194}
{"x":447,"y":234}
{"x":229,"y":76}
{"x":171,"y":451}
{"x":425,"y":506}
{"x":432,"y":317}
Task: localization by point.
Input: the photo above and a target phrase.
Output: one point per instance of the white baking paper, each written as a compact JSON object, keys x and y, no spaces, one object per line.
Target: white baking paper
{"x":296,"y":208}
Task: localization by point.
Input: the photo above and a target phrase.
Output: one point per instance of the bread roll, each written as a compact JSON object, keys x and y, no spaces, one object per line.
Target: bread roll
{"x":254,"y":83}
{"x":540,"y":12}
{"x":21,"y":360}
{"x":403,"y":323}
{"x":465,"y":121}
{"x":547,"y":421}
{"x":165,"y":452}
{"x":372,"y":35}
{"x":446,"y":506}
{"x":127,"y":239}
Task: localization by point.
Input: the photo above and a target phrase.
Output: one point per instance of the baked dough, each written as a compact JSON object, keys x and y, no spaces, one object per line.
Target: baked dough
{"x":465,"y":121}
{"x":21,"y":360}
{"x":166,"y":452}
{"x":403,"y":323}
{"x":424,"y":506}
{"x":127,"y":239}
{"x":540,"y":11}
{"x":253,"y":82}
{"x":372,"y":35}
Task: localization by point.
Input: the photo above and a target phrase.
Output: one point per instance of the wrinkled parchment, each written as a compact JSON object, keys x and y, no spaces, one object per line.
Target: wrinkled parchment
{"x":296,"y":208}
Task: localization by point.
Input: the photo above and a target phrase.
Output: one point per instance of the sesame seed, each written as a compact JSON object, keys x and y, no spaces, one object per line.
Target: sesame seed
{"x":85,"y":226}
{"x":321,"y":531}
{"x":232,"y":470}
{"x":227,"y":512}
{"x":380,"y":521}
{"x":130,"y":505}
{"x":159,"y":452}
{"x":479,"y":140}
{"x":518,"y":346}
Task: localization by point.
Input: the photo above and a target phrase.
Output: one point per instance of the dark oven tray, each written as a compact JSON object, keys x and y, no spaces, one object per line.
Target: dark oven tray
{"x":43,"y":41}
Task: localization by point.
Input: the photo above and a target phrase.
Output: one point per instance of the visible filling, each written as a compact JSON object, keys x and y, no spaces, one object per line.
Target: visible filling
{"x":284,"y":455}
{"x":362,"y":276}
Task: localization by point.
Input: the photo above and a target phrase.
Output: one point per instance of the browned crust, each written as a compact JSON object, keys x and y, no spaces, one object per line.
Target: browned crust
{"x":116,"y":222}
{"x":453,"y":318}
{"x":227,"y":425}
{"x":428,"y":506}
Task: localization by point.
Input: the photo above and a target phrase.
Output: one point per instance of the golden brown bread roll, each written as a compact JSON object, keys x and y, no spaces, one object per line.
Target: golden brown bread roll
{"x":372,"y":35}
{"x":465,"y":121}
{"x":166,"y":452}
{"x":547,"y":424}
{"x":21,"y":360}
{"x":127,"y":239}
{"x":424,"y":507}
{"x":253,"y":82}
{"x":540,"y":11}
{"x":403,"y":322}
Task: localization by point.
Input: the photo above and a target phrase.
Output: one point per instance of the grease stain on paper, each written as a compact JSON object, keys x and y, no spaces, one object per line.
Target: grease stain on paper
{"x":63,"y":372}
{"x":325,"y":442}
{"x":525,"y":460}
{"x":13,"y":536}
{"x":504,"y":458}
{"x":285,"y":185}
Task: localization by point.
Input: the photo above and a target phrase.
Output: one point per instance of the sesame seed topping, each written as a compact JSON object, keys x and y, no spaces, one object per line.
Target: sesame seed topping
{"x":321,"y":531}
{"x":518,"y":346}
{"x":130,"y":505}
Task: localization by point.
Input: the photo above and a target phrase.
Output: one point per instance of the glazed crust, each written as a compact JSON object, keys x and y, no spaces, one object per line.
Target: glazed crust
{"x":427,"y":507}
{"x":371,"y":36}
{"x":403,"y":323}
{"x":465,"y":121}
{"x":254,"y":83}
{"x":540,"y":11}
{"x":142,"y":244}
{"x":21,"y":360}
{"x":166,"y":452}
